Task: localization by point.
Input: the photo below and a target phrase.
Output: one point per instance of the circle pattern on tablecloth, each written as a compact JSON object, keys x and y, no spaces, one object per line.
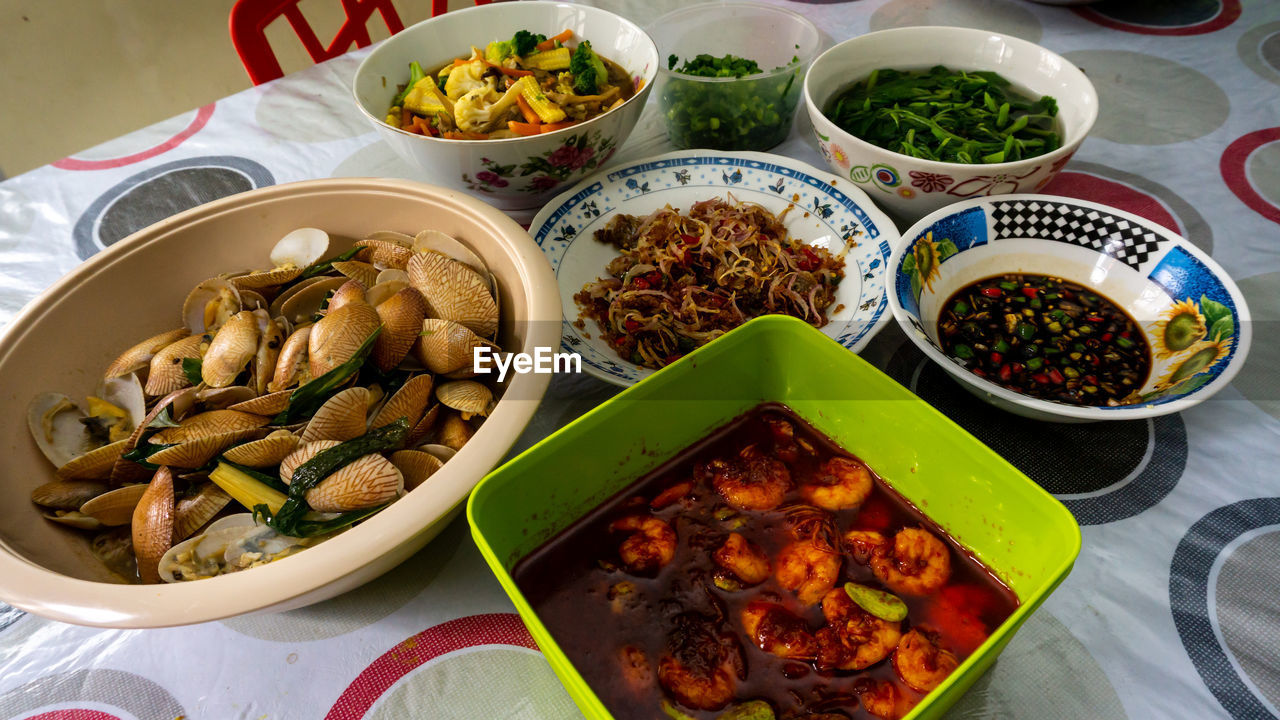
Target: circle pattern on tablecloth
{"x":1218,"y":557}
{"x":1135,"y":194}
{"x":361,"y":607}
{"x":1148,"y":100}
{"x":1258,"y":380}
{"x":1001,"y":16}
{"x":1134,"y":463}
{"x":1251,"y":168}
{"x":133,"y":694}
{"x":109,"y":155}
{"x":326,"y":112}
{"x":465,"y":632}
{"x":1029,"y":674}
{"x":1163,"y":17}
{"x":1259,"y":49}
{"x":159,"y":192}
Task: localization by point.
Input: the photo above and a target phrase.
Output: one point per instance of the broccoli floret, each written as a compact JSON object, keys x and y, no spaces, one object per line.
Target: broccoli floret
{"x":588,"y":69}
{"x":525,"y":42}
{"x":415,"y":74}
{"x":499,"y":50}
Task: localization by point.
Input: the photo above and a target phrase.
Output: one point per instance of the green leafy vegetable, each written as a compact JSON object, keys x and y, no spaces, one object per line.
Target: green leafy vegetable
{"x":270,"y":481}
{"x":588,"y":69}
{"x":947,"y":116}
{"x":526,"y":42}
{"x":163,"y":420}
{"x":304,"y":401}
{"x":326,"y":266}
{"x":416,"y":73}
{"x":290,"y":517}
{"x":192,"y":367}
{"x":750,"y":113}
{"x":315,"y":528}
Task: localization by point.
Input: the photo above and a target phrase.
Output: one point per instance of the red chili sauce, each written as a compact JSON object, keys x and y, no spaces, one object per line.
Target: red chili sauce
{"x":718,"y":580}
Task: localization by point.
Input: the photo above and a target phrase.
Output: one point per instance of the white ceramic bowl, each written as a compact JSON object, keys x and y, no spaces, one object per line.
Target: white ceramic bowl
{"x":909,"y":187}
{"x":1147,"y":270}
{"x":63,"y":339}
{"x":512,"y":173}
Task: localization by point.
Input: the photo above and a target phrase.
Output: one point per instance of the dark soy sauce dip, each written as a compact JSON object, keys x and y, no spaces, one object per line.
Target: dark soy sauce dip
{"x":594,"y":606}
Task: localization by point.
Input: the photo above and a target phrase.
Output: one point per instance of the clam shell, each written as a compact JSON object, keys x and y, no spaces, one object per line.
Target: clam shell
{"x":393,"y":275}
{"x":341,"y":417}
{"x":202,"y":556}
{"x":234,"y":345}
{"x":213,"y":422}
{"x":402,"y":317}
{"x":361,"y":272}
{"x":409,"y":402}
{"x":304,"y":453}
{"x":252,"y":300}
{"x":391,"y":236}
{"x":140,"y":355}
{"x":416,"y":466}
{"x":383,"y":291}
{"x":455,"y":292}
{"x":267,"y":452}
{"x":335,"y":339}
{"x":152,"y":525}
{"x":93,"y":465}
{"x":192,"y":511}
{"x":179,"y":403}
{"x":351,"y":291}
{"x":305,"y":304}
{"x":115,"y":507}
{"x":292,"y":367}
{"x":210,"y":305}
{"x":67,"y":494}
{"x":384,"y":254}
{"x":266,"y":278}
{"x":125,"y":393}
{"x":276,"y":308}
{"x":424,"y":426}
{"x":445,"y":346}
{"x":466,"y":396}
{"x":438,"y":242}
{"x":166,"y":374}
{"x":221,"y":398}
{"x":198,"y":451}
{"x":454,"y":432}
{"x":270,"y":341}
{"x":75,"y":519}
{"x":267,"y":405}
{"x":54,"y":422}
{"x":443,"y":452}
{"x":300,"y":248}
{"x":368,"y":482}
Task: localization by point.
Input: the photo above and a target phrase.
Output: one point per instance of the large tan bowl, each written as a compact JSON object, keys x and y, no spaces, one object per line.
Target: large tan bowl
{"x":65,"y":338}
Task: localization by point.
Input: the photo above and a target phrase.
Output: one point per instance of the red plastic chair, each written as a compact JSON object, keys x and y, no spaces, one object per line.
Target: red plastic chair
{"x":250,"y":18}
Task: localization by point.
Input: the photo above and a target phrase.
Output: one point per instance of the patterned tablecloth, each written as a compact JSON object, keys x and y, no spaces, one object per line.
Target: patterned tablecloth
{"x":1173,"y":610}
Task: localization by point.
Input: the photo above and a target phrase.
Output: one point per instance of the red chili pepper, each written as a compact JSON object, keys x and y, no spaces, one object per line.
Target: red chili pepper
{"x":1066,"y":294}
{"x":1124,"y":334}
{"x":631,"y":325}
{"x":809,"y":261}
{"x":620,"y":341}
{"x":690,"y":239}
{"x":978,"y":372}
{"x":992,"y":292}
{"x":640,"y":283}
{"x":1094,"y":318}
{"x":1030,"y":291}
{"x":1041,"y":378}
{"x":1017,"y":367}
{"x":996,"y":358}
{"x":670,"y":359}
{"x":1093,"y":360}
{"x":1106,"y":337}
{"x":1006,"y":373}
{"x":1055,"y":376}
{"x":1091,"y":379}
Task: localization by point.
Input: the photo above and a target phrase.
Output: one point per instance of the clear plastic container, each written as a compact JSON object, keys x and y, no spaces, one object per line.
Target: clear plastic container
{"x":726,"y":113}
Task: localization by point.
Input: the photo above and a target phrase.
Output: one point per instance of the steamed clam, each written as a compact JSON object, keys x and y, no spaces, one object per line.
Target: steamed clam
{"x":292,"y":402}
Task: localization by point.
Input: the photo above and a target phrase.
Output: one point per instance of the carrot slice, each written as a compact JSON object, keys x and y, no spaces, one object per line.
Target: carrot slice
{"x":550,"y":42}
{"x":520,"y":128}
{"x":527,"y":111}
{"x":456,"y":135}
{"x":509,"y":72}
{"x":552,"y":127}
{"x":406,"y":117}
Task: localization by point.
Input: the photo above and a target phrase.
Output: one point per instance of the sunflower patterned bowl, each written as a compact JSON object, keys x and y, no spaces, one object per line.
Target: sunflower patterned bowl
{"x":1192,"y":315}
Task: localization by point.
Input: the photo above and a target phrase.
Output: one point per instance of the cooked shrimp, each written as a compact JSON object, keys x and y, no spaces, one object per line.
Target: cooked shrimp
{"x":918,"y":563}
{"x":863,"y":544}
{"x":702,"y":667}
{"x":808,"y":570}
{"x":883,"y":699}
{"x":921,"y":662}
{"x":784,"y":438}
{"x":636,"y":669}
{"x":777,"y":631}
{"x":649,"y":545}
{"x":853,"y":638}
{"x":744,"y":559}
{"x":672,"y":494}
{"x":752,"y":481}
{"x":841,"y":483}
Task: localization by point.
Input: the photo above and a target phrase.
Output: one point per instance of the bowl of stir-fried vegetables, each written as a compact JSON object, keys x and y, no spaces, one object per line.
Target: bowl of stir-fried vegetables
{"x":511,"y":102}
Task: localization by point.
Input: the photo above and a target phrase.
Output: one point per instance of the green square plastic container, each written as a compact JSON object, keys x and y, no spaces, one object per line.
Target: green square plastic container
{"x":1017,"y":529}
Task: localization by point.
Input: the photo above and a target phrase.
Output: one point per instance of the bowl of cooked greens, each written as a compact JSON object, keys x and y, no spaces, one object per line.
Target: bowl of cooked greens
{"x":256,"y":414}
{"x":922,"y":117}
{"x":731,"y":73}
{"x":1067,"y":310}
{"x":509,"y":102}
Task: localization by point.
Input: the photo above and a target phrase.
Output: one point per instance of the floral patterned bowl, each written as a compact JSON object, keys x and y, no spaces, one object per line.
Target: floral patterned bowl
{"x":511,"y":174}
{"x":1192,"y":315}
{"x":909,"y":187}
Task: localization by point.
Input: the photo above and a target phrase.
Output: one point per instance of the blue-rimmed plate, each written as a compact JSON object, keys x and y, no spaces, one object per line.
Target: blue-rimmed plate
{"x":828,"y":212}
